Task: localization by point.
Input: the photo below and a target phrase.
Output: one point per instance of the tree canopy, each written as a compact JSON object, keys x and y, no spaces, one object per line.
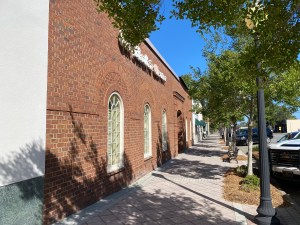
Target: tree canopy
{"x":135,"y":18}
{"x":274,"y":23}
{"x":265,"y":43}
{"x":277,"y":113}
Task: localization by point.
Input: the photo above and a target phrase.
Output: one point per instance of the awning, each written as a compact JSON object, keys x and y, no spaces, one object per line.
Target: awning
{"x":200,"y":123}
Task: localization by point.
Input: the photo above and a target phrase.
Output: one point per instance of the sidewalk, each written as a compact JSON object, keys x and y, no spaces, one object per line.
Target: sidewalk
{"x":186,"y":190}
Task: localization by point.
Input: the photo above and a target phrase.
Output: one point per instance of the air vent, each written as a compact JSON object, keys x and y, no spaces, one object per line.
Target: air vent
{"x":291,"y":145}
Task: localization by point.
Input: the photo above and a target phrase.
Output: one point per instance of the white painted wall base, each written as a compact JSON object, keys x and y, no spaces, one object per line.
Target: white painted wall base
{"x":23,"y":88}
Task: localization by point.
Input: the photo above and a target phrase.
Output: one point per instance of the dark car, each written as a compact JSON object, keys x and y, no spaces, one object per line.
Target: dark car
{"x":242,"y":136}
{"x":269,"y":134}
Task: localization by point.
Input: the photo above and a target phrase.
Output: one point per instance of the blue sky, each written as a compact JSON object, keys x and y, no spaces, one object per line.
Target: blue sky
{"x":180,"y":45}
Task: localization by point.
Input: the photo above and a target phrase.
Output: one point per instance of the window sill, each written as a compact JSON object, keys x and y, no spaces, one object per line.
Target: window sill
{"x":146,"y":158}
{"x":115,"y":171}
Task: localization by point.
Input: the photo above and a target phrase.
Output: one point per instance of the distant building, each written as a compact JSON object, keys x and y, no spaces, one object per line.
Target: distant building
{"x":287,"y":126}
{"x":200,"y":127}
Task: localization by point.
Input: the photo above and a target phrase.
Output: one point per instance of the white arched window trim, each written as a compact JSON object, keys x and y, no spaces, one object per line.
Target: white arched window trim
{"x":147,"y":131}
{"x":164,"y":131}
{"x":113,"y":139}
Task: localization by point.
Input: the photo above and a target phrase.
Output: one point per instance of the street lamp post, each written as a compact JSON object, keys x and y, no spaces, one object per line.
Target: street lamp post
{"x":266,"y":212}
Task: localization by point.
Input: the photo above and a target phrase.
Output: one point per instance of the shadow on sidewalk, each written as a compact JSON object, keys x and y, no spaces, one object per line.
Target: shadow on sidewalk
{"x":194,"y":169}
{"x":248,"y":216}
{"x":205,"y":152}
{"x":156,"y":206}
{"x":164,"y":201}
{"x":205,"y":145}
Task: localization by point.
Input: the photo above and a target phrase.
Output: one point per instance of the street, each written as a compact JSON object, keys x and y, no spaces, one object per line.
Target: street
{"x":291,"y":188}
{"x":276,"y":137}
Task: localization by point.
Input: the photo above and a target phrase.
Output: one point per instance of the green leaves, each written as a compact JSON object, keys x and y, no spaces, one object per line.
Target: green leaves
{"x":278,"y":112}
{"x":223,"y":91}
{"x":264,"y":32}
{"x":285,"y":86}
{"x":205,"y":13}
{"x":275,"y":24}
{"x":135,"y":18}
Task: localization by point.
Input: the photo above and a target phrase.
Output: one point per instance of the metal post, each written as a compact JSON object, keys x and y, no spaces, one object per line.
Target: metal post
{"x":265,"y":210}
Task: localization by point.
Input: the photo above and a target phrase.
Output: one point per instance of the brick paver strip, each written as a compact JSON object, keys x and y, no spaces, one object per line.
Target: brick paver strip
{"x":186,"y":190}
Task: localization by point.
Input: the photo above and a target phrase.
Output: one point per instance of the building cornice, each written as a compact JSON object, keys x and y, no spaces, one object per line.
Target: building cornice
{"x":156,"y":52}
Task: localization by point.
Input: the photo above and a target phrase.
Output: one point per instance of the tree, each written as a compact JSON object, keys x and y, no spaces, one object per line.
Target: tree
{"x":135,"y":18}
{"x":284,"y":87}
{"x":226,"y":94}
{"x":264,"y":32}
{"x":276,"y":23}
{"x":277,"y":113}
{"x":283,"y":97}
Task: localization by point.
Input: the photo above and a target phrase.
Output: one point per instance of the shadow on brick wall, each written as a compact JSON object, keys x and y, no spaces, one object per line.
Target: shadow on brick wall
{"x":78,"y":177}
{"x":162,"y":155}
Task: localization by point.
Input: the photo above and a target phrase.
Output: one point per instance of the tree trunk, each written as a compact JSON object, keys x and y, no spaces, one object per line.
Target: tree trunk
{"x":225,"y":135}
{"x":233,"y":136}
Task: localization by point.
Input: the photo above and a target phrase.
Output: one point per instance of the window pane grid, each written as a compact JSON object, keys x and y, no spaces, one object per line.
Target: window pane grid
{"x":164,"y":131}
{"x":147,"y":124}
{"x":114,"y":131}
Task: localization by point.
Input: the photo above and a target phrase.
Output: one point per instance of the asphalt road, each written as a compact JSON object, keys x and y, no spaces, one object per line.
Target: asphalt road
{"x":290,"y":187}
{"x":276,"y":137}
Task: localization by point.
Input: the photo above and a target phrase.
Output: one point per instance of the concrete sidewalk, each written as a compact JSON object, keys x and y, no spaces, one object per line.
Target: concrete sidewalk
{"x":186,"y":190}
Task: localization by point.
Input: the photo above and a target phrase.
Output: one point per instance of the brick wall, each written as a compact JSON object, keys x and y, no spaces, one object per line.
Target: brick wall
{"x":86,"y":65}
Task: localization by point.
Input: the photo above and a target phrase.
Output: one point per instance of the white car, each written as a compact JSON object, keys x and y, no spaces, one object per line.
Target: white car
{"x":285,"y":158}
{"x":290,"y":136}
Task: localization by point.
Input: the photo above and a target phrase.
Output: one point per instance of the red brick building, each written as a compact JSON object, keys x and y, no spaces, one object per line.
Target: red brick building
{"x":110,"y":118}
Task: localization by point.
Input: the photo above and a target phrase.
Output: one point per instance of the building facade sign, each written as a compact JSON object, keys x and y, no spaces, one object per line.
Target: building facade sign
{"x":142,"y":58}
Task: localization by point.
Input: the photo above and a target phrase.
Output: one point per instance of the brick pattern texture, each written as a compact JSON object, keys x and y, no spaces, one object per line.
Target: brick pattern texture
{"x":86,"y":65}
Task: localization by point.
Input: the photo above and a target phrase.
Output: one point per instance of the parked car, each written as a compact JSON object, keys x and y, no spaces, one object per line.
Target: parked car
{"x":269,"y":134}
{"x":242,"y":136}
{"x":289,"y":136}
{"x":284,"y":158}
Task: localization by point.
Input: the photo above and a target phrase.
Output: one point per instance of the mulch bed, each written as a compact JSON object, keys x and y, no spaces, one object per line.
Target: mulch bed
{"x":239,"y":157}
{"x":233,"y":192}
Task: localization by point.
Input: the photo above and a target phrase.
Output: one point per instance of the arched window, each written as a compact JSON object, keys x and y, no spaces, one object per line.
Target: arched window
{"x":164,"y":131}
{"x":147,"y":131}
{"x":115,"y":147}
